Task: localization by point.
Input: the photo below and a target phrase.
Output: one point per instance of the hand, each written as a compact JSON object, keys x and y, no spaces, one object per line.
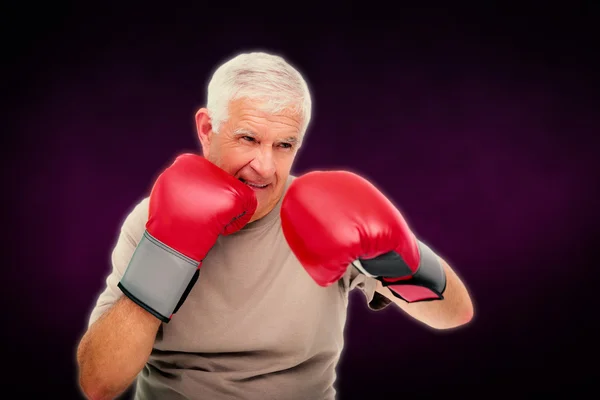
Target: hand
{"x":192,"y":202}
{"x":336,"y":218}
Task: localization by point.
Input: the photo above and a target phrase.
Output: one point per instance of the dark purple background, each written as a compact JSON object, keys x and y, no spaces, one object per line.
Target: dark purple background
{"x":482,"y":125}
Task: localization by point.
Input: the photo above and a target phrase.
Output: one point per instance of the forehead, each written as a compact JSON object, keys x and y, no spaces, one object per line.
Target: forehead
{"x":248,"y":115}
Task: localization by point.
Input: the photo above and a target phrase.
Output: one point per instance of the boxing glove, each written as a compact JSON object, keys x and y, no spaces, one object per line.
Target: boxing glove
{"x":191,"y":203}
{"x":332,"y":219}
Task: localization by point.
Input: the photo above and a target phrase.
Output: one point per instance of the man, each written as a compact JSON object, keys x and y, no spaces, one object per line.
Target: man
{"x":225,"y":284}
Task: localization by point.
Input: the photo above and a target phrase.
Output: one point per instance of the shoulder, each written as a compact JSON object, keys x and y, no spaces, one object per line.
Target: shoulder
{"x":139,"y":212}
{"x":134,"y":223}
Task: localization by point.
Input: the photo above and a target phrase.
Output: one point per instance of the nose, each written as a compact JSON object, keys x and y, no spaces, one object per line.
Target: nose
{"x":264,"y":162}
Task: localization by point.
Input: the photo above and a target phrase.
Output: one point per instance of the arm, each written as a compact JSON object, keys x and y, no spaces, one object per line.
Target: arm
{"x":120,"y":334}
{"x":115,"y":349}
{"x":156,"y":262}
{"x":454,"y":310}
{"x":354,"y":222}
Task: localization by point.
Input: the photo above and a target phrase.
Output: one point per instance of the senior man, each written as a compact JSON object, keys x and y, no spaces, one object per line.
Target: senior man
{"x":231,"y":278}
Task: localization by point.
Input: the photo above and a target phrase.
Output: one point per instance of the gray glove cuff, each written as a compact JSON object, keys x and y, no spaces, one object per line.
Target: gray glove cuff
{"x":158,"y":278}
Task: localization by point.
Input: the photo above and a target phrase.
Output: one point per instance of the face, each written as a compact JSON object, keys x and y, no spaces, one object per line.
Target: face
{"x":255,"y":147}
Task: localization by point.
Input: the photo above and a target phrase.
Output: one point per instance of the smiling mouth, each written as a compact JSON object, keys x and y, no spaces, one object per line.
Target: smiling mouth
{"x":254,"y":185}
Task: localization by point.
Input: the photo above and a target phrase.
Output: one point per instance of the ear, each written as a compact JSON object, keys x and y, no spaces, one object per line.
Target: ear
{"x":204,"y":129}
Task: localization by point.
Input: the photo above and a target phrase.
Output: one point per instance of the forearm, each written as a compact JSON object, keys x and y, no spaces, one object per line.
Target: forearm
{"x":115,"y":349}
{"x":454,"y":310}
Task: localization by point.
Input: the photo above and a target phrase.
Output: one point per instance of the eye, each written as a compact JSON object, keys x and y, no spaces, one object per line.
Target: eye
{"x":248,"y":138}
{"x":285,"y":145}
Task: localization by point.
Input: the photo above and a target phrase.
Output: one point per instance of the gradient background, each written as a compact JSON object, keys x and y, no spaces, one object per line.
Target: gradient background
{"x":481,"y":124}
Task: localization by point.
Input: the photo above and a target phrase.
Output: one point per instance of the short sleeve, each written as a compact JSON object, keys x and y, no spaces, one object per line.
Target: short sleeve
{"x":130,"y":235}
{"x":354,"y":279}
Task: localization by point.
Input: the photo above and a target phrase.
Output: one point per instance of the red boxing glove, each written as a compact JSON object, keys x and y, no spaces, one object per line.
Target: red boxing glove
{"x":192,"y":202}
{"x":336,"y":218}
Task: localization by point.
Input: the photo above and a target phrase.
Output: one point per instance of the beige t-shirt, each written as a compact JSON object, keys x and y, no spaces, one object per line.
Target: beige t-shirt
{"x":255,"y":325}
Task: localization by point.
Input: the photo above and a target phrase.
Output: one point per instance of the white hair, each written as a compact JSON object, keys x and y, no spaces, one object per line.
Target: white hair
{"x":258,"y":76}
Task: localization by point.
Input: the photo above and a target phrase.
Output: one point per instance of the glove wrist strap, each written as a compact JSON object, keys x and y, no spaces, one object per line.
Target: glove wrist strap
{"x":158,"y":278}
{"x":428,"y":282}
